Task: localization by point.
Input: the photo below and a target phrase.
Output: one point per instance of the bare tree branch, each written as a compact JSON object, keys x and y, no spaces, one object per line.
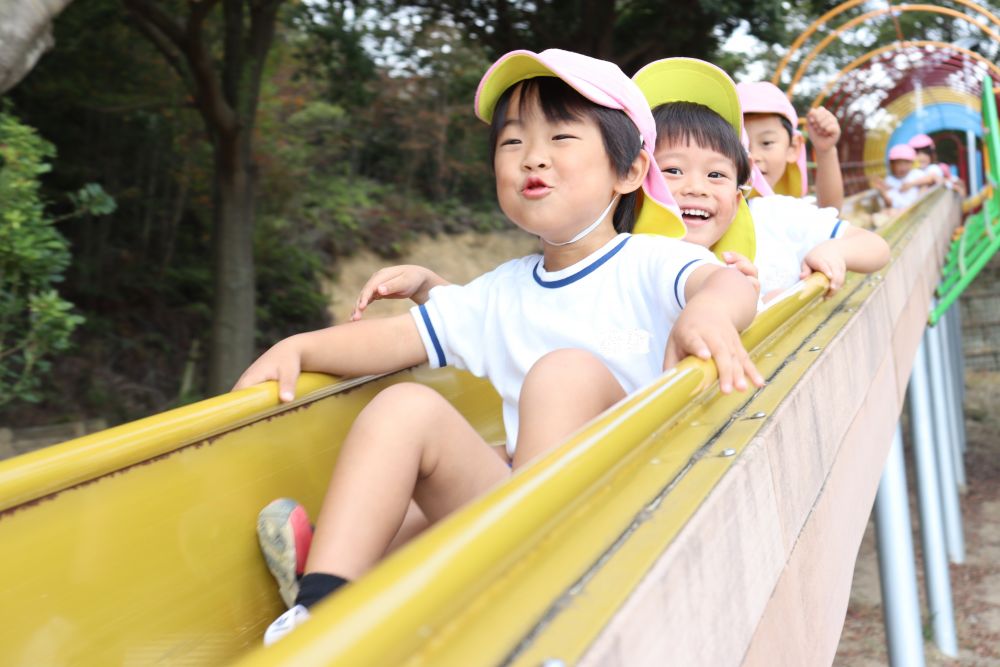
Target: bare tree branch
{"x":165,"y":46}
{"x":152,"y":12}
{"x":263,"y":18}
{"x":200,"y":9}
{"x":234,"y":50}
{"x":220,"y":116}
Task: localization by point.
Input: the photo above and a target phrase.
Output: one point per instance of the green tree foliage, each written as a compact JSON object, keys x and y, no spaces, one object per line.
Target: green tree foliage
{"x":628,"y":32}
{"x":35,"y":321}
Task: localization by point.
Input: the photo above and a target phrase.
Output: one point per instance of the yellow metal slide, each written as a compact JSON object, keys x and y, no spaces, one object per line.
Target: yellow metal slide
{"x":137,"y":545}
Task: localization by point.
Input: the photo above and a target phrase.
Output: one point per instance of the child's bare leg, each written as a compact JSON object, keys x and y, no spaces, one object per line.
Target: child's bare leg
{"x":562,"y":391}
{"x":415,"y":522}
{"x":409,"y":442}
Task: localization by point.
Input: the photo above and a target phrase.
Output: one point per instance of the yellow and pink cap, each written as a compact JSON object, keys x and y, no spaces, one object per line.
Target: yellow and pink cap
{"x":765,"y":97}
{"x":701,"y":82}
{"x":602,"y":83}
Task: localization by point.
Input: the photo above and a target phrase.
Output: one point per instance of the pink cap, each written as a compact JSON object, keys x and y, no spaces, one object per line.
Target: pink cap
{"x":921,"y":141}
{"x":765,"y":97}
{"x":600,"y":82}
{"x":902,"y":152}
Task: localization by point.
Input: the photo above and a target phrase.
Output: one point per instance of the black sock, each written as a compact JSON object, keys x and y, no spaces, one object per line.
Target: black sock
{"x":315,"y":586}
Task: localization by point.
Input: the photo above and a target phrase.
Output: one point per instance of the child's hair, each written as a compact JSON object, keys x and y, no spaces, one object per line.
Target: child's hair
{"x":684,"y":122}
{"x":928,"y":151}
{"x":560,"y":102}
{"x":785,"y":123}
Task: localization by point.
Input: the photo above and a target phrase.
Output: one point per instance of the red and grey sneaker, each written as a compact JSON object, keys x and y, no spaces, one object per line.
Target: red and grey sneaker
{"x":285,"y":534}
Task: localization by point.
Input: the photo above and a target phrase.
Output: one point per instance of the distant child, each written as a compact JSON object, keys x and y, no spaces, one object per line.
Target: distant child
{"x":699,"y":122}
{"x":931,"y":173}
{"x":562,"y":335}
{"x":901,"y":188}
{"x":951,"y":180}
{"x":779,"y":149}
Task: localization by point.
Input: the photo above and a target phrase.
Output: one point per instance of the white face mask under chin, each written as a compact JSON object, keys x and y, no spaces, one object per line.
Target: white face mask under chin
{"x":589,"y":228}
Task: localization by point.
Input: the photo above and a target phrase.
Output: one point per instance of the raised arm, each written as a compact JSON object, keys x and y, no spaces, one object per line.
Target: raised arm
{"x":352,"y":349}
{"x":398,"y":282}
{"x":824,"y":131}
{"x":928,"y":178}
{"x":719,"y":304}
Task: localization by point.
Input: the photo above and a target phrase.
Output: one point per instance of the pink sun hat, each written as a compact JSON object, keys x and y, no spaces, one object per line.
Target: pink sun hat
{"x":921,"y":141}
{"x":765,"y":97}
{"x":602,"y":83}
{"x":902,"y":152}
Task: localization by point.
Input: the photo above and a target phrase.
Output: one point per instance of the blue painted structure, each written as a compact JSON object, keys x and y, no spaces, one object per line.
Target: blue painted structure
{"x":937,"y":117}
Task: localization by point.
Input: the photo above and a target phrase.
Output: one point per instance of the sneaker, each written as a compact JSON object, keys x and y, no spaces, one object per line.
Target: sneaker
{"x":285,"y":623}
{"x":285,"y":535}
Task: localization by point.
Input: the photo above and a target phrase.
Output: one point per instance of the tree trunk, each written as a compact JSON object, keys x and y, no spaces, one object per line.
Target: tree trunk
{"x":226,"y":93}
{"x":233,"y":317}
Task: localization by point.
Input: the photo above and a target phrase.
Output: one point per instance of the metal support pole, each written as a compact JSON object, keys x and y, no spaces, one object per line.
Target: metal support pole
{"x":954,"y":316}
{"x":897,"y":572}
{"x":936,"y":575}
{"x":943,"y":446}
{"x":970,"y":151}
{"x":950,"y":404}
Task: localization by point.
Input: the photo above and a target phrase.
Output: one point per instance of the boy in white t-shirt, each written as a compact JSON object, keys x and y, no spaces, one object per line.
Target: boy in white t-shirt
{"x":901,"y":187}
{"x":699,"y":123}
{"x":562,"y":335}
{"x":779,"y":149}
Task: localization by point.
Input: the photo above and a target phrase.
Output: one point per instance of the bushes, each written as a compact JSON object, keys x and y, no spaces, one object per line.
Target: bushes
{"x":35,"y":322}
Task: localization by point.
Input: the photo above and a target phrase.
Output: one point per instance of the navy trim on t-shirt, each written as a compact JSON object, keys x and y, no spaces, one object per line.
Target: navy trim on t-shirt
{"x":677,"y":281}
{"x":562,"y":282}
{"x":433,"y":335}
{"x":836,"y":228}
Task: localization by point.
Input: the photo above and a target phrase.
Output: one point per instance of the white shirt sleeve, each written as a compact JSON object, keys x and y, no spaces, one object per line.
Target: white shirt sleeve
{"x":670,"y":263}
{"x":453,"y":321}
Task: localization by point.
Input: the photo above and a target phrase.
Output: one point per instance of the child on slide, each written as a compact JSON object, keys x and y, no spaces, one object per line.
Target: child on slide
{"x":699,"y":122}
{"x":571,"y":141}
{"x":901,"y":187}
{"x":779,"y":149}
{"x":930,"y":171}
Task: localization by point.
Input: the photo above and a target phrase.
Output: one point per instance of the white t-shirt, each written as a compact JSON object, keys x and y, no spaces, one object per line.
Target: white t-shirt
{"x":619,"y":303}
{"x":787,"y":229}
{"x":899,"y":198}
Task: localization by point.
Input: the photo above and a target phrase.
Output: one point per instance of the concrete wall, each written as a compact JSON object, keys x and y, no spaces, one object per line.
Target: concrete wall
{"x":807,"y":482}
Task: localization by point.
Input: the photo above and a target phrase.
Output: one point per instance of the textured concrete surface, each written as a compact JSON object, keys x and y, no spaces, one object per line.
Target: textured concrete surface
{"x":761,"y":574}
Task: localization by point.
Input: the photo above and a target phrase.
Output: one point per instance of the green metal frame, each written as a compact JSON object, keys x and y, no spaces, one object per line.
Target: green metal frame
{"x":980,"y":237}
